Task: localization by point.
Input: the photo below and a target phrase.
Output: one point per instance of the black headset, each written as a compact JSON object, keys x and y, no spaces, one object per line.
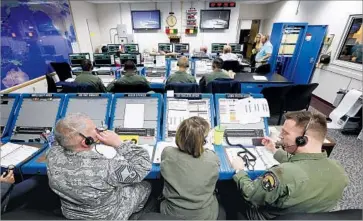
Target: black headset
{"x":87,"y":140}
{"x":303,"y":140}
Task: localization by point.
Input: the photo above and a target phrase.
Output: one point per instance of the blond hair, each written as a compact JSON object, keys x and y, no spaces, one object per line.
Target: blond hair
{"x":317,"y":125}
{"x":183,"y":62}
{"x":227,"y":49}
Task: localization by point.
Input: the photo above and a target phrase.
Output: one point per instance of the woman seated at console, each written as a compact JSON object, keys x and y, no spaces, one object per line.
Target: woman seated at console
{"x":190,"y":173}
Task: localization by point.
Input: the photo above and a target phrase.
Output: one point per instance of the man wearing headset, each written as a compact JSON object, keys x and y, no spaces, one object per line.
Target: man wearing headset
{"x":91,"y":184}
{"x":129,"y":76}
{"x":305,"y":181}
{"x":181,"y":76}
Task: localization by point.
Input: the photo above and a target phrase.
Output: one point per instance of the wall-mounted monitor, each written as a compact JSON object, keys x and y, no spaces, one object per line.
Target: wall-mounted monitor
{"x":236,"y":48}
{"x":165,"y":47}
{"x":145,"y":20}
{"x":131,"y":48}
{"x":218,"y":47}
{"x":181,"y":48}
{"x":214,"y":19}
{"x":113,"y":48}
{"x":77,"y":58}
{"x":103,"y":59}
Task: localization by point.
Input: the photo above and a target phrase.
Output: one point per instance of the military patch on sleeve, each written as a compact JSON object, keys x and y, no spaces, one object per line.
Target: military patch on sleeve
{"x":269,"y":181}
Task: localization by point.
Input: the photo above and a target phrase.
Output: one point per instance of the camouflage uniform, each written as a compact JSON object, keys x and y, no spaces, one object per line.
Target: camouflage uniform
{"x":94,"y":187}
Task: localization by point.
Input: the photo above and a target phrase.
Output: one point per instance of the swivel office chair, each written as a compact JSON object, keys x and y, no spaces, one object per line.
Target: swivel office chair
{"x":62,"y":69}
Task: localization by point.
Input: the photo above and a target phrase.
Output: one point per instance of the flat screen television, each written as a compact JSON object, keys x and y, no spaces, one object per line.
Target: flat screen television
{"x":214,"y":19}
{"x":145,"y":20}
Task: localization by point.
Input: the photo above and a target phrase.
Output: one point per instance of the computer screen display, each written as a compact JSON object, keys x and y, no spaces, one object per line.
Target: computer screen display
{"x":131,"y":48}
{"x":132,"y":57}
{"x":165,"y":47}
{"x":145,"y":20}
{"x":214,"y":19}
{"x":77,"y":58}
{"x":236,"y":48}
{"x":112,"y":48}
{"x":218,"y":47}
{"x":181,"y":48}
{"x":103,"y":59}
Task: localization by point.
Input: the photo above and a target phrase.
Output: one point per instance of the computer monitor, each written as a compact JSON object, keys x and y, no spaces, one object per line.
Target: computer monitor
{"x":218,"y":47}
{"x":136,"y":58}
{"x":103,"y":59}
{"x":113,"y":48}
{"x":181,"y":48}
{"x":165,"y":47}
{"x":236,"y":48}
{"x":131,"y":48}
{"x":77,"y":58}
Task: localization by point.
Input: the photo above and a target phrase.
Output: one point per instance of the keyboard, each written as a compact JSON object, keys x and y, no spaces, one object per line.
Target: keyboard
{"x":244,"y":133}
{"x":147,"y":132}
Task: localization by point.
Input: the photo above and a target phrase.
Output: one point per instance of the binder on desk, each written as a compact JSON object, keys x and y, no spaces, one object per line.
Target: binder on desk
{"x":14,"y":154}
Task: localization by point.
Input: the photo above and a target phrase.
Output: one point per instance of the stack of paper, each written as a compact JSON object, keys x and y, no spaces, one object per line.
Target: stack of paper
{"x":13,"y":154}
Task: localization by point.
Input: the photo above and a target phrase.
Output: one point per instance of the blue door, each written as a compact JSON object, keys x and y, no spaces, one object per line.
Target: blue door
{"x":309,"y":53}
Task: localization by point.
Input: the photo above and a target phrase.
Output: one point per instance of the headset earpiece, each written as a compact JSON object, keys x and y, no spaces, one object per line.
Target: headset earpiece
{"x":303,"y":140}
{"x":89,"y":141}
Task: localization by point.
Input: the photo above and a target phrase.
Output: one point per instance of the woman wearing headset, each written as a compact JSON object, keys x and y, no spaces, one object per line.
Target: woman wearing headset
{"x":190,"y":173}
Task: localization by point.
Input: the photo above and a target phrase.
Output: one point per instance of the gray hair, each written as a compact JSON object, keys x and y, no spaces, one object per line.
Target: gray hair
{"x":68,"y":127}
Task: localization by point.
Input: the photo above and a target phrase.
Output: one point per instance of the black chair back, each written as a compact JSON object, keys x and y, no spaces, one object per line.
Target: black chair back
{"x":231,"y":66}
{"x":73,"y":87}
{"x":52,"y":87}
{"x":223,"y":86}
{"x":299,"y":97}
{"x":182,"y":87}
{"x":130,"y":88}
{"x":349,"y":214}
{"x":275,"y":97}
{"x":263,"y":69}
{"x":62,"y":69}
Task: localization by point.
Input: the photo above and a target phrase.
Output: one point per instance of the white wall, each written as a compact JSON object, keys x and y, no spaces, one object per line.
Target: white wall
{"x":335,"y":14}
{"x":84,"y":12}
{"x":109,"y":15}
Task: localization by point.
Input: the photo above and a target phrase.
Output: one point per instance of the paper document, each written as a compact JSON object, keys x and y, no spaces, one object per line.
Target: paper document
{"x":349,"y":105}
{"x":259,"y":78}
{"x":157,"y":80}
{"x":107,"y":151}
{"x":134,"y":116}
{"x":251,"y":110}
{"x":160,"y":61}
{"x":13,"y":154}
{"x":149,"y":148}
{"x":264,"y":160}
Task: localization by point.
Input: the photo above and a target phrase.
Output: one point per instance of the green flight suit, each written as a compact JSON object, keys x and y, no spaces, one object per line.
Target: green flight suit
{"x":128,"y":78}
{"x":216,"y":74}
{"x":302,"y":183}
{"x":86,"y":77}
{"x":181,"y":77}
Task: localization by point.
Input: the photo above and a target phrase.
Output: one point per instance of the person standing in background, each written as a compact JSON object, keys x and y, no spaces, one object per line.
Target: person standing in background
{"x":255,"y":49}
{"x":263,"y":56}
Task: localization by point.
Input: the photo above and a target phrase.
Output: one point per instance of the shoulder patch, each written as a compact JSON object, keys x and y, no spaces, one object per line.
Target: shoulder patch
{"x":269,"y":182}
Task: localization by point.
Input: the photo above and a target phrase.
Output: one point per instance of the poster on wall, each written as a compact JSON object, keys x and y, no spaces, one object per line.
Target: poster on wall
{"x":33,"y":34}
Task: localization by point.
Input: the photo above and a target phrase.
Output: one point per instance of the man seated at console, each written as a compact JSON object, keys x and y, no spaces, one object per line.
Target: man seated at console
{"x":86,"y":77}
{"x":217,"y":73}
{"x":130,"y":76}
{"x":305,"y":181}
{"x":181,"y":76}
{"x":91,"y":183}
{"x":228,"y":55}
